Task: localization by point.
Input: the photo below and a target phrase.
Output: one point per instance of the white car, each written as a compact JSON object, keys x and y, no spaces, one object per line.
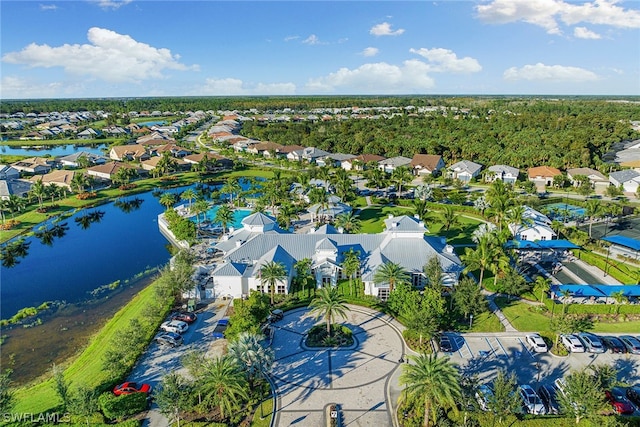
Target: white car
{"x":177,"y":326}
{"x":537,"y":343}
{"x":532,"y":402}
{"x":483,"y":395}
{"x":572,"y":343}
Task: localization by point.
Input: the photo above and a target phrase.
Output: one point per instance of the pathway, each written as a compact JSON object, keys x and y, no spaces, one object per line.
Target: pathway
{"x":508,"y":327}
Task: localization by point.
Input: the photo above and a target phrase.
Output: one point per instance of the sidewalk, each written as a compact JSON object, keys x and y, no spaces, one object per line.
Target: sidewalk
{"x":508,"y":327}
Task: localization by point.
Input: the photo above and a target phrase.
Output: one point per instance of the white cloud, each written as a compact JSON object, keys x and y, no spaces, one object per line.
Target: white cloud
{"x":233,"y":87}
{"x":376,"y":78}
{"x":370,"y":51}
{"x":384,"y":29}
{"x":554,"y":73}
{"x":110,"y":56}
{"x":445,"y":60}
{"x":312,"y":40}
{"x":48,"y":7}
{"x":111,"y":4}
{"x":584,"y":33}
{"x":289,"y":38}
{"x":18,"y":87}
{"x":546,"y":13}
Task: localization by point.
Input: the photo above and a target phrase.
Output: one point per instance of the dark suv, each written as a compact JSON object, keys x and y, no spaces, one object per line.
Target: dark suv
{"x":548,"y":396}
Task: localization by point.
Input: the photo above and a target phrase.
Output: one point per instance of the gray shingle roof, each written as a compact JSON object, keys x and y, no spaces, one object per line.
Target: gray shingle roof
{"x":258,"y":218}
{"x":625,"y":175}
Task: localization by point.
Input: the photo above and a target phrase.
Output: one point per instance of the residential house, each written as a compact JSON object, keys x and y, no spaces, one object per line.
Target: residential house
{"x":628,"y":180}
{"x":464,"y":170}
{"x":9,"y":172}
{"x":504,"y":173}
{"x":244,"y":144}
{"x":33,"y":165}
{"x":426,"y":164}
{"x":128,"y":152}
{"x":391,"y":164}
{"x":286,"y":149}
{"x":360,"y":162}
{"x":597,"y":179}
{"x":152,"y":163}
{"x":334,"y":159}
{"x":17,"y":187}
{"x":266,"y":149}
{"x":309,"y":154}
{"x":73,"y":160}
{"x":88,"y":134}
{"x":173,"y":149}
{"x":543,"y":176}
{"x":534,"y":226}
{"x":58,"y":177}
{"x":108,"y":170}
{"x":260,"y":240}
{"x":218,"y":161}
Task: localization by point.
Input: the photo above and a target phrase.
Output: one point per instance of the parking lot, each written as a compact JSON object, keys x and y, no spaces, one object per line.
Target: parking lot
{"x":483,"y":354}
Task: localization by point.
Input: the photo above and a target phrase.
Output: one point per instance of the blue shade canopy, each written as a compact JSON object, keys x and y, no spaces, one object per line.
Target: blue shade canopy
{"x":541,"y":244}
{"x":624,"y":241}
{"x":597,"y":291}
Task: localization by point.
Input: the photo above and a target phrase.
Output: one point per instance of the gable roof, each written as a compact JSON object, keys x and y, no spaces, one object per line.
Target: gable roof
{"x":109,"y":168}
{"x":588,"y":172}
{"x":546,"y":171}
{"x":426,"y":161}
{"x":58,"y":176}
{"x":366,"y":158}
{"x":625,"y":175}
{"x":395,"y":161}
{"x":466,"y":166}
{"x":286,"y":149}
{"x":505,"y":169}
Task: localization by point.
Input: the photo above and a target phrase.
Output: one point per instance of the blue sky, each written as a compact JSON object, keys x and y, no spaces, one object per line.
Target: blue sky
{"x":124,"y":48}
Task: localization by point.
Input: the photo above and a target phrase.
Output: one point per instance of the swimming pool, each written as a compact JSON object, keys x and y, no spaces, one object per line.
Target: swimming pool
{"x":238,"y":216}
{"x":564,"y":212}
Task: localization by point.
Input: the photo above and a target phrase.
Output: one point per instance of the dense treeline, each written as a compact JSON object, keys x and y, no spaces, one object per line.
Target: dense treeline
{"x":562,"y":134}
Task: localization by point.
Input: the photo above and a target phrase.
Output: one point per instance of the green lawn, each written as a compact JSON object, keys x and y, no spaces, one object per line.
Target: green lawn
{"x":486,"y":322}
{"x":373,"y":217}
{"x":87,"y":368}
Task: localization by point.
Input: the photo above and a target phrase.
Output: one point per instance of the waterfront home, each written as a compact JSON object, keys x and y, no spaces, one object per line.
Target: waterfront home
{"x":217,"y":162}
{"x":543,"y":176}
{"x":534,"y":226}
{"x":17,"y":187}
{"x":393,"y":163}
{"x":504,"y":173}
{"x":628,"y":180}
{"x":128,"y":152}
{"x":88,"y":133}
{"x":260,"y":240}
{"x":152,"y":163}
{"x":596,"y":179}
{"x":33,"y":165}
{"x":267,"y":149}
{"x":73,"y":160}
{"x":59,"y":177}
{"x":9,"y":172}
{"x":464,"y":170}
{"x":360,"y":162}
{"x":108,"y":170}
{"x":426,"y":164}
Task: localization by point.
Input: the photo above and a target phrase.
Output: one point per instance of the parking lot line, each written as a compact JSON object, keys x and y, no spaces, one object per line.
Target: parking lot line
{"x":495,"y":344}
{"x":526,"y":348}
{"x":463,"y":348}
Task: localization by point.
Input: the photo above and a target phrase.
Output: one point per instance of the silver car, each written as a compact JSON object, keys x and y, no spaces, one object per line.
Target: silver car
{"x":592,"y":343}
{"x":532,"y":402}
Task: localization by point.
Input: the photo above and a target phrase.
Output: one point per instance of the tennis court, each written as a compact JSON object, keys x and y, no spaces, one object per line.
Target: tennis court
{"x":564,"y":212}
{"x":628,"y":227}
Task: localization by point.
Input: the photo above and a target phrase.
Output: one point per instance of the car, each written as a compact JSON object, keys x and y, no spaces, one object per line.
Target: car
{"x":614,"y":345}
{"x":445,"y":344}
{"x":633,"y":394}
{"x":631,"y":343}
{"x":223,"y":322}
{"x":549,"y":397}
{"x":537,"y":343}
{"x":217,"y":335}
{"x":560,"y":385}
{"x":187,"y":316}
{"x":617,"y":398}
{"x":591,"y":343}
{"x":275,"y":316}
{"x":131,"y":387}
{"x":177,"y":326}
{"x":483,"y":396}
{"x":572,"y":343}
{"x":171,"y":339}
{"x":532,"y":402}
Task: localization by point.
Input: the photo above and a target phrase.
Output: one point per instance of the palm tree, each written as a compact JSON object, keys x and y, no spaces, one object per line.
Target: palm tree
{"x":349,"y":222}
{"x":15,"y":204}
{"x":400,"y":176}
{"x":79,"y":182}
{"x":620,"y":298}
{"x":199,"y":207}
{"x":390,"y":273}
{"x":224,"y":216}
{"x":421,"y":208}
{"x":189,"y":195}
{"x":231,"y":187}
{"x":303,"y":270}
{"x":251,"y":356}
{"x":480,"y":257}
{"x":499,"y":263}
{"x":593,"y":209}
{"x":329,"y":304}
{"x":222,"y":385}
{"x":350,"y":266}
{"x":436,"y":380}
{"x":38,"y":191}
{"x":270,"y":274}
{"x":286,"y":214}
{"x":449,"y":218}
{"x":542,"y":285}
{"x":167,"y":200}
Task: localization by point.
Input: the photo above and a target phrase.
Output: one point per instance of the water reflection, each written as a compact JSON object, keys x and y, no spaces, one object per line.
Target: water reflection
{"x":13,"y":251}
{"x":46,"y":234}
{"x":85,"y":221}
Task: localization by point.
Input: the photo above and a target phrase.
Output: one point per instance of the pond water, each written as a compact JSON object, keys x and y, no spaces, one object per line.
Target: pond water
{"x":52,"y":150}
{"x":117,"y":247}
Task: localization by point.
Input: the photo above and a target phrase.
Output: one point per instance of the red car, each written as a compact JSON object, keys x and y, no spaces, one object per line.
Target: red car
{"x":131,"y":387}
{"x":185,"y":317}
{"x":619,"y":401}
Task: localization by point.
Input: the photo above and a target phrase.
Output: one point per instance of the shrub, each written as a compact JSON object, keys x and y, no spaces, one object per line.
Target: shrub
{"x":119,"y":407}
{"x":9,"y":224}
{"x":86,"y":195}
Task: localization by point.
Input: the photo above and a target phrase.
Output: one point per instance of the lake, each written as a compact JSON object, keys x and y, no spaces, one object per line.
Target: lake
{"x":52,"y":150}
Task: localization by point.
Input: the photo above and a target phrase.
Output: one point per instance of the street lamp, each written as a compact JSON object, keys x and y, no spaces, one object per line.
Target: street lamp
{"x":470,"y":320}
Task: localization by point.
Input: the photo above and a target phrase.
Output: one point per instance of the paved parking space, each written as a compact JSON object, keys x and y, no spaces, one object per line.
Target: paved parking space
{"x":361,"y":379}
{"x":484,"y":354}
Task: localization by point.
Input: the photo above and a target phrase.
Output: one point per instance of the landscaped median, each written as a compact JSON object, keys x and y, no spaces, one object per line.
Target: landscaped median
{"x":88,"y":368}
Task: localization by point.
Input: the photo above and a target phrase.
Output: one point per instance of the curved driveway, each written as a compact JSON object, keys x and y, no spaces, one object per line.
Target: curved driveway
{"x":363,"y":379}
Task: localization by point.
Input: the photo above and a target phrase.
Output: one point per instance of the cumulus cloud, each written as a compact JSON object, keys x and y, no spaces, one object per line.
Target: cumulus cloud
{"x":372,"y":78}
{"x":554,"y":73}
{"x":109,"y":56}
{"x":547,"y":13}
{"x":233,"y":87}
{"x":18,"y":87}
{"x":370,"y":51}
{"x":584,"y":33}
{"x":384,"y":29}
{"x":445,"y":60}
{"x":312,"y":40}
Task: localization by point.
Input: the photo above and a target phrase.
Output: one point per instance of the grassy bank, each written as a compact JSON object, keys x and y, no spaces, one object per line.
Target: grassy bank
{"x":87,"y":368}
